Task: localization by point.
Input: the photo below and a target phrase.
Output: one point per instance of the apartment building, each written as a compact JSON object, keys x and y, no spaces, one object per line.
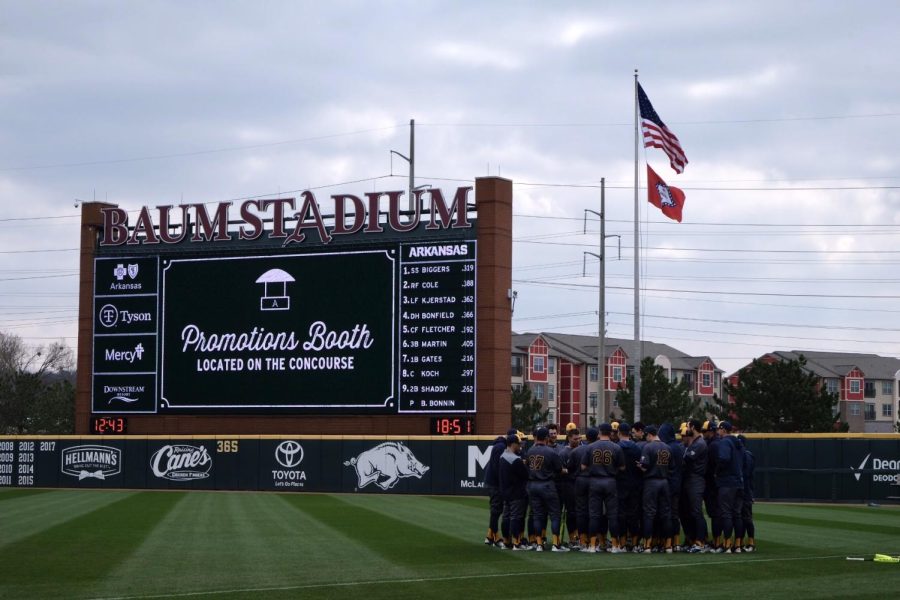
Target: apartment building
{"x":562,"y":372}
{"x":866,"y":385}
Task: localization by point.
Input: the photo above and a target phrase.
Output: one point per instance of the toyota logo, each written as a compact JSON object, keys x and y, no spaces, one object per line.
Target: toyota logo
{"x":289,"y":454}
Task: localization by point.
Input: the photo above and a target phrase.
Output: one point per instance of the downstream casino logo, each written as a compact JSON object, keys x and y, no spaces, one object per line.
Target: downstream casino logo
{"x":385,"y":465}
{"x":181,"y":462}
{"x":96,"y":462}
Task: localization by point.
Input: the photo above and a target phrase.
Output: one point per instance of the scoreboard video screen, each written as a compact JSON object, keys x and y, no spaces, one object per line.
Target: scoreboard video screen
{"x":386,"y":328}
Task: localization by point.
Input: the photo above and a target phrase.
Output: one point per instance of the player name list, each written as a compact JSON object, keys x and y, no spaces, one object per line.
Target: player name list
{"x":437,"y":327}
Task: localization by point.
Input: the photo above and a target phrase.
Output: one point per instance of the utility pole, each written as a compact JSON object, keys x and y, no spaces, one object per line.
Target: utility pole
{"x":411,"y":159}
{"x":601,"y":335}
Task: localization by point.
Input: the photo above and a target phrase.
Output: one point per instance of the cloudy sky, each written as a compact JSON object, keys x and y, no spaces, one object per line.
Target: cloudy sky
{"x":788,"y":114}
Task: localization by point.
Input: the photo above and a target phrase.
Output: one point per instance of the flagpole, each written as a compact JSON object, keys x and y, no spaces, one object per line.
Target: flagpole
{"x":637,"y":301}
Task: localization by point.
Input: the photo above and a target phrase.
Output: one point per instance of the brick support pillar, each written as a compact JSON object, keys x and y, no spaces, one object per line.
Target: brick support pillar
{"x":493,"y":197}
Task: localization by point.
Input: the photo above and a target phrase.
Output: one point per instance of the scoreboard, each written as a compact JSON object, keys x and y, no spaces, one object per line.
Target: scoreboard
{"x":383,"y":328}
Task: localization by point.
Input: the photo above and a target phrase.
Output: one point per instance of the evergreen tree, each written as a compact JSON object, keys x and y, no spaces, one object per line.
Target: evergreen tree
{"x":527,"y":411}
{"x":779,"y":397}
{"x":662,"y":401}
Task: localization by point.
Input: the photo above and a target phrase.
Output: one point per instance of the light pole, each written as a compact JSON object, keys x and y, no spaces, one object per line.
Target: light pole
{"x":411,"y":159}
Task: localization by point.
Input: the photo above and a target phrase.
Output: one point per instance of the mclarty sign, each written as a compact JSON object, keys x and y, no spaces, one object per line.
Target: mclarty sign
{"x":352,"y":214}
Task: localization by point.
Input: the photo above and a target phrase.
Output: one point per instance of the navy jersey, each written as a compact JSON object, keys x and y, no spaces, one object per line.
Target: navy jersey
{"x":564,"y":452}
{"x":604,"y":459}
{"x":749,"y":468}
{"x":632,"y":455}
{"x":676,"y":465}
{"x":512,"y":474}
{"x":543,"y":463}
{"x":729,"y":463}
{"x":491,"y":472}
{"x":696,"y":458}
{"x":712,"y":457}
{"x":576,"y":459}
{"x":655,"y":458}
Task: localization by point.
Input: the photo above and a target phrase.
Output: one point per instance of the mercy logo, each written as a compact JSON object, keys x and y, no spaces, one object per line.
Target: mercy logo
{"x":862,"y":465}
{"x":98,"y":462}
{"x":125,"y":355}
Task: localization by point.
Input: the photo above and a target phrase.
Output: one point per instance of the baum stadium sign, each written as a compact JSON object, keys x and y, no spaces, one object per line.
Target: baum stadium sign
{"x":254,"y":316}
{"x":351,"y":215}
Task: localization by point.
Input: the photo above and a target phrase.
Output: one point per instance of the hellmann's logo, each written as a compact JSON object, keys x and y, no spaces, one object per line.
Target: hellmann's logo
{"x":93,"y":461}
{"x":892,"y":468}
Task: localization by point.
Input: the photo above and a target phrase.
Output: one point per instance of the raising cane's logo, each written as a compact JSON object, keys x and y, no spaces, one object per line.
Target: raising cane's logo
{"x":181,"y":462}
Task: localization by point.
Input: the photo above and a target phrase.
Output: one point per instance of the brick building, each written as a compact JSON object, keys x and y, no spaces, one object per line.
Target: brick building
{"x":866,"y":385}
{"x":561,"y":370}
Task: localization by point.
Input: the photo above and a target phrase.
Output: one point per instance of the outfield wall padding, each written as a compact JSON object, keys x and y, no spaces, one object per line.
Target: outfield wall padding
{"x":815,"y":469}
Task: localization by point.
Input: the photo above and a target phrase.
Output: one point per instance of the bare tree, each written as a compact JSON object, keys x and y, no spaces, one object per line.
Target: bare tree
{"x":36,"y":395}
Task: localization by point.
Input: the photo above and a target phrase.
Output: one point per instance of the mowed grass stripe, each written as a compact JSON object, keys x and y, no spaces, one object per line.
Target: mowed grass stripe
{"x":16,"y":493}
{"x":822,"y":523}
{"x":78,"y":553}
{"x":886,"y":515}
{"x":32,"y":513}
{"x":225,"y":540}
{"x":398,"y":536}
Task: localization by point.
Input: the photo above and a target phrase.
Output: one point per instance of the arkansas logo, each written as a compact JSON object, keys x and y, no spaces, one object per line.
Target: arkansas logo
{"x":385,"y":465}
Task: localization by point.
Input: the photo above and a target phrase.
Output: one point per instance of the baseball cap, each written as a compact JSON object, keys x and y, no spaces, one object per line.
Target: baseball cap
{"x":624,"y":427}
{"x":592,"y":434}
{"x":605,"y":428}
{"x":725,"y":425}
{"x":512,"y":439}
{"x":650,"y":430}
{"x":639,"y":426}
{"x":709,"y":425}
{"x":571,"y":426}
{"x":684,"y":429}
{"x":511,"y":431}
{"x":542,"y":433}
{"x":522,"y":437}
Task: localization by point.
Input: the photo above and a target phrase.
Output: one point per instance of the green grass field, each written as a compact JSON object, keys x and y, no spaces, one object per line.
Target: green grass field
{"x":98,"y":544}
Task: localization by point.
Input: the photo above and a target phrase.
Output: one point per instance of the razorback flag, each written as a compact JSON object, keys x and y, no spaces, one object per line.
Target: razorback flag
{"x":657,"y":135}
{"x":670,"y":200}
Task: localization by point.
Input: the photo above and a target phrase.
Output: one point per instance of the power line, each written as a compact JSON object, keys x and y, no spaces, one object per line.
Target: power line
{"x":198,"y":152}
{"x":709,"y":223}
{"x":741,"y":293}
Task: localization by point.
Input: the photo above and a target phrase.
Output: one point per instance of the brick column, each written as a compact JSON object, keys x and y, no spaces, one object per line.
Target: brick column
{"x":493,"y":198}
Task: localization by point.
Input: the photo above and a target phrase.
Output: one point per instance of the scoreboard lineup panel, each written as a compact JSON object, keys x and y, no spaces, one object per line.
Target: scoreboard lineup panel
{"x":388,"y":329}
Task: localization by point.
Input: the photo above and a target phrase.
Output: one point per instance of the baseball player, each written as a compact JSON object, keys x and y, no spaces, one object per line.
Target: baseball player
{"x":512,"y":477}
{"x":747,"y":504}
{"x":582,"y":487}
{"x":492,"y":486}
{"x":629,"y":484}
{"x":603,"y":462}
{"x":730,"y":486}
{"x":710,"y":495}
{"x":654,"y":462}
{"x":676,"y":464}
{"x":693,"y":487}
{"x":543,"y":466}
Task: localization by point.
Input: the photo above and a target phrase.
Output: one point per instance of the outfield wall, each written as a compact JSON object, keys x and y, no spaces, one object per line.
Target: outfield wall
{"x":847,"y":468}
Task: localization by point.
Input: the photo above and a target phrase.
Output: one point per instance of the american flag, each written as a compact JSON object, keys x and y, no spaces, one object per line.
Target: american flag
{"x":657,"y":135}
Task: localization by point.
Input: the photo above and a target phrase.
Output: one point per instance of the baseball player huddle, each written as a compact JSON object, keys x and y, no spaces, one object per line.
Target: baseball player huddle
{"x":622,"y":489}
